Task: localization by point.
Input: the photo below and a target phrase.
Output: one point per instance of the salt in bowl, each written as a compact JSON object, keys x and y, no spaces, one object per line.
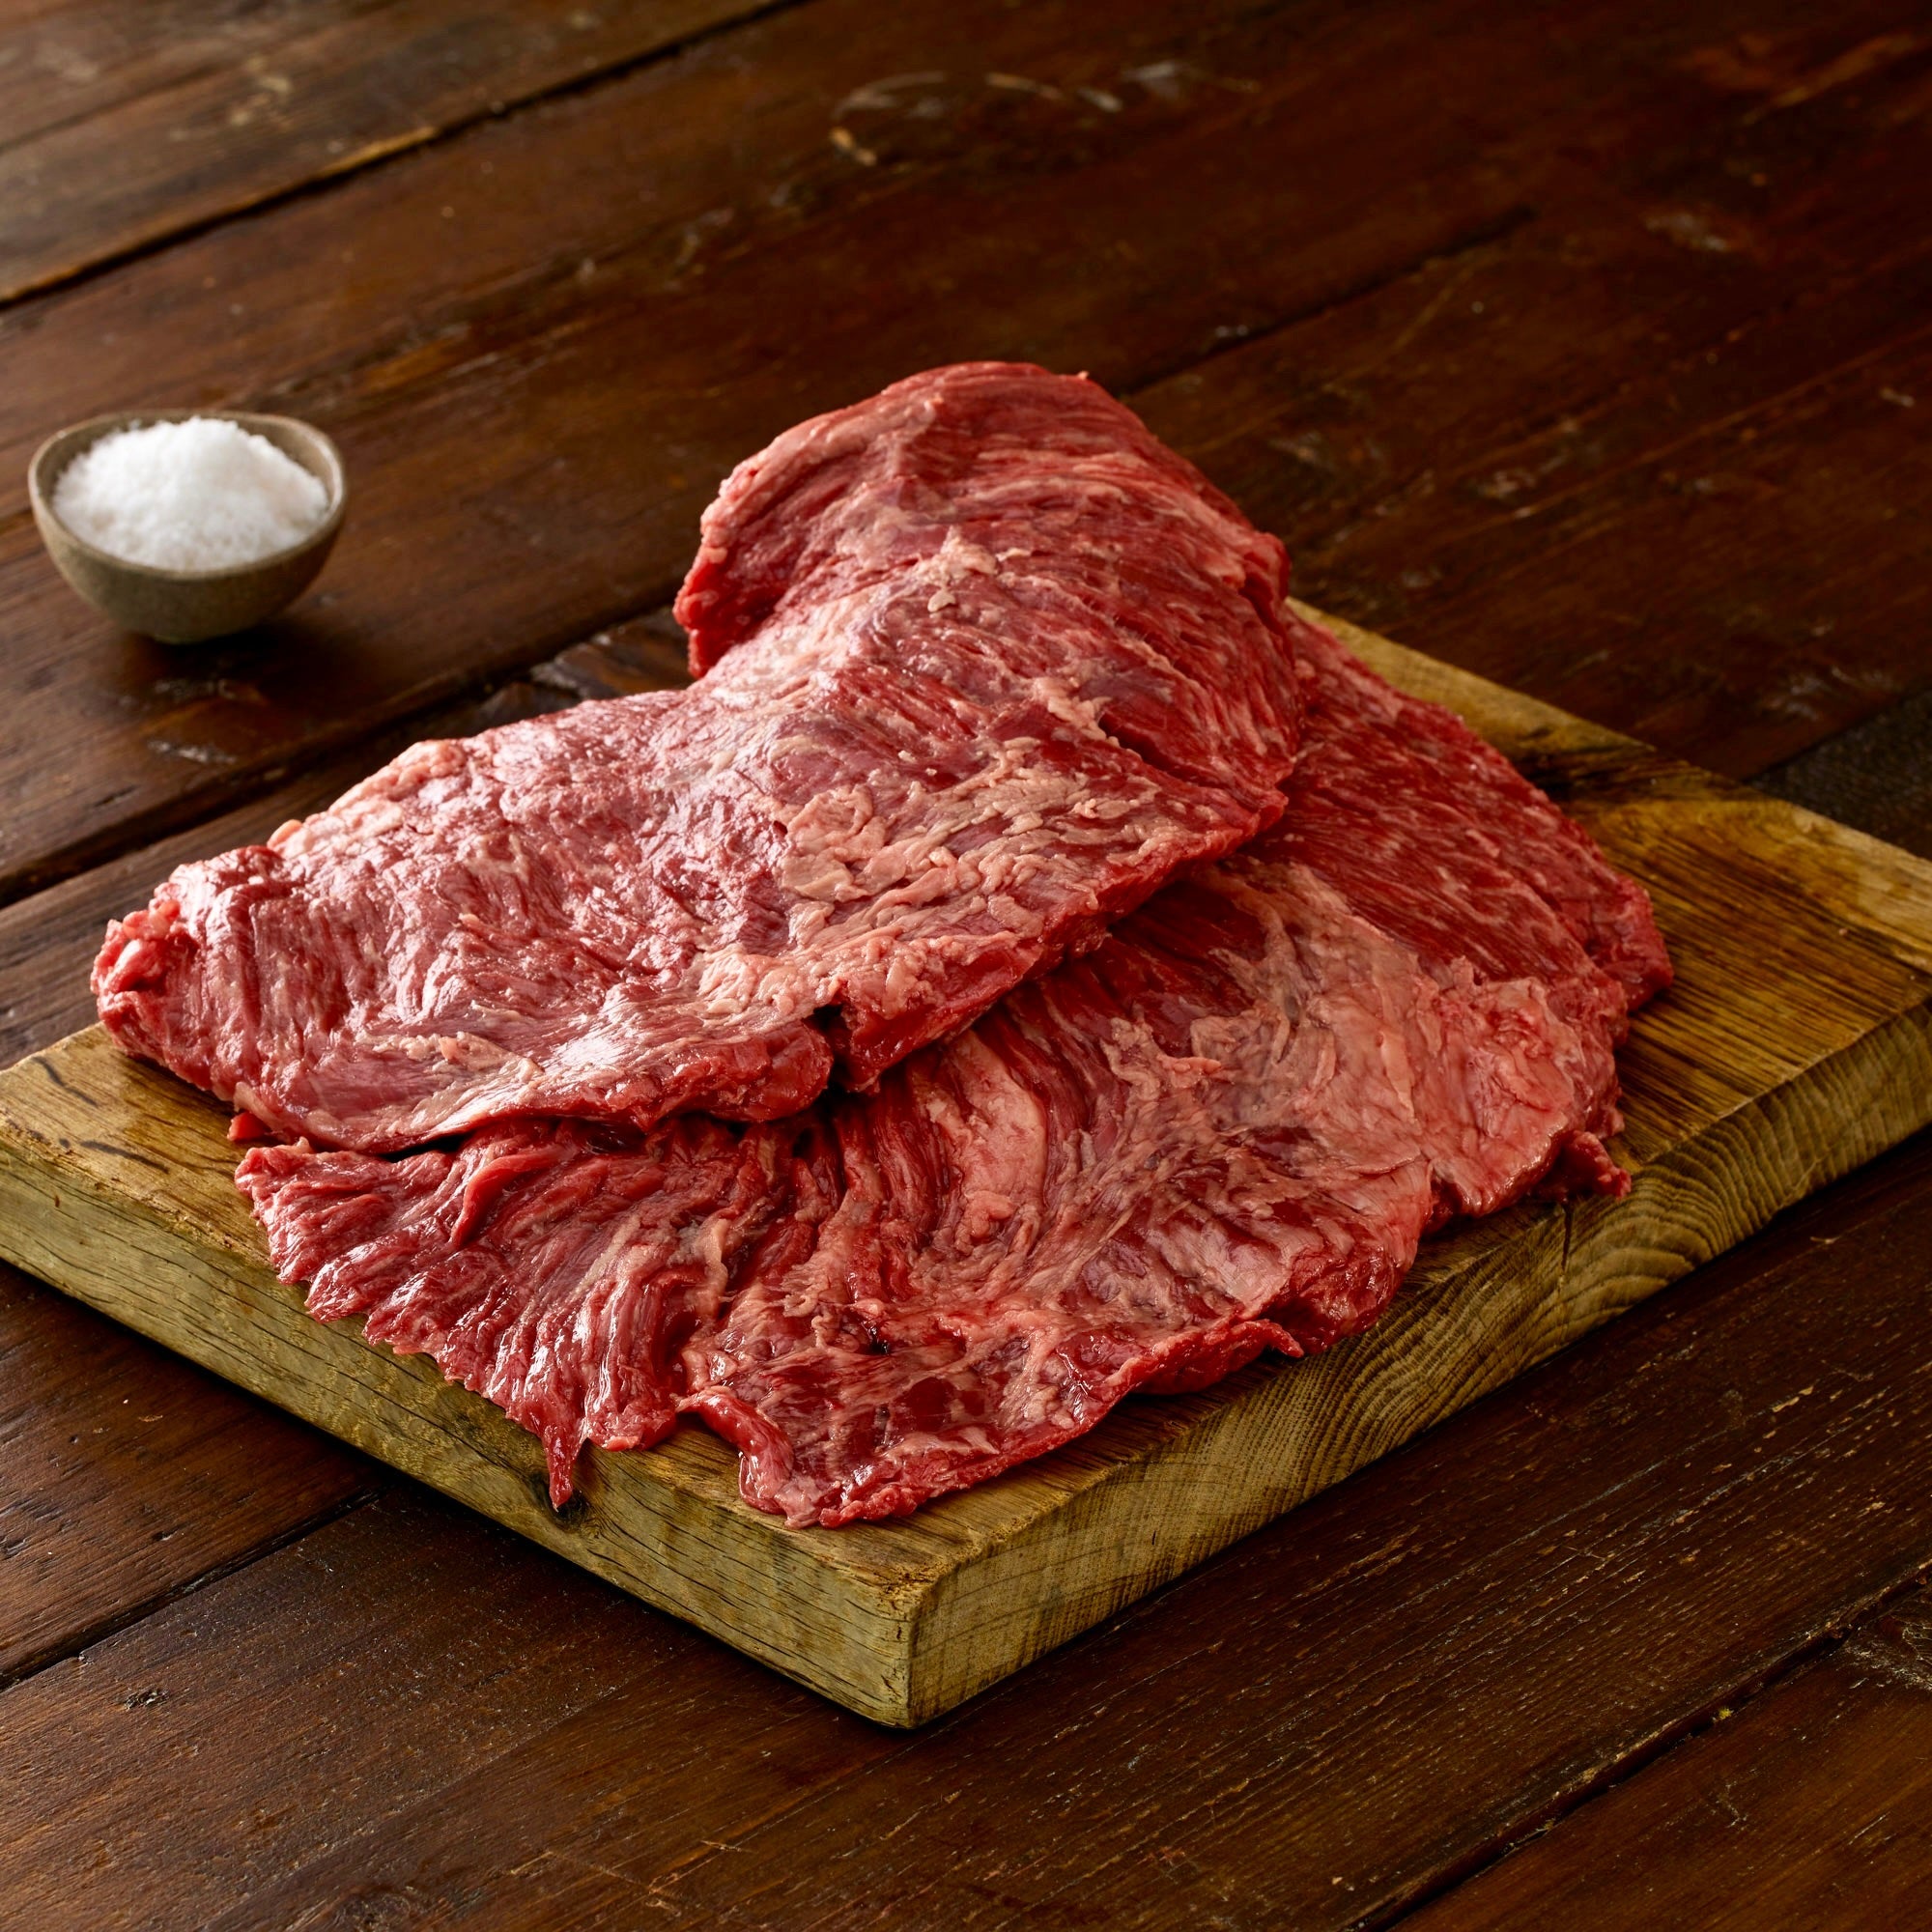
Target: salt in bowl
{"x":186,"y":606}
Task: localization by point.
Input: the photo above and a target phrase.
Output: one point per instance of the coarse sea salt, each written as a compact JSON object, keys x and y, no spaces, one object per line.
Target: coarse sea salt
{"x":199,"y":495}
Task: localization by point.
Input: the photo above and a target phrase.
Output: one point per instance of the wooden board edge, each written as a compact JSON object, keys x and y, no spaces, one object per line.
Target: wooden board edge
{"x":1151,"y":1521}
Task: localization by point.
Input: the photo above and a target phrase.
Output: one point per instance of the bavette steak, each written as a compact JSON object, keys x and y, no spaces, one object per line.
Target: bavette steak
{"x":984,"y":666}
{"x":1225,"y":1129}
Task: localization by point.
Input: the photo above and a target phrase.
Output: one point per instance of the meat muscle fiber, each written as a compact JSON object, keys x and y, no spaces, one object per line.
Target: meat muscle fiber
{"x":1225,"y":1129}
{"x":986,"y":666}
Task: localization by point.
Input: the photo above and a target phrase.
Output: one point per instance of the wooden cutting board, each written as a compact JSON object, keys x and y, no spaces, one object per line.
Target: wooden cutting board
{"x":1795,"y":1044}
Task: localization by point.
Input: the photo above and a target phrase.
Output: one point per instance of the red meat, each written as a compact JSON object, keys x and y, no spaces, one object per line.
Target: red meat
{"x":991,"y":665}
{"x":1225,"y":1129}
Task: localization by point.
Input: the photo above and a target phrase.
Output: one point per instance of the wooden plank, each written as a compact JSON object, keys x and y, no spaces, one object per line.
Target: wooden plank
{"x":588,"y":411}
{"x":292,"y":1663}
{"x":1811,"y":1805}
{"x":1796,"y":1043}
{"x":1413,"y":1669}
{"x":131,"y":122}
{"x":130,"y":1476}
{"x":1658,"y":458}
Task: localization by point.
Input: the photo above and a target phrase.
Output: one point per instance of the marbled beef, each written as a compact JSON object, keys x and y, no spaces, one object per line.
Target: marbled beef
{"x":1224,"y":1130}
{"x":986,"y":665}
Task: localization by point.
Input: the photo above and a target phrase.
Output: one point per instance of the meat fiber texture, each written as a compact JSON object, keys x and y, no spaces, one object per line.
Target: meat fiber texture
{"x":1225,"y":1130}
{"x":986,"y":666}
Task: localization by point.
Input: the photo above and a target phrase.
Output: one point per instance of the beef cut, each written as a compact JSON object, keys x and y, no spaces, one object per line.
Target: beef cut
{"x":1225,"y":1129}
{"x":986,"y":666}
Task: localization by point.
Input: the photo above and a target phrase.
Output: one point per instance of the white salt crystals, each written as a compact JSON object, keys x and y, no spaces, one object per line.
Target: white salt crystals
{"x":199,"y":495}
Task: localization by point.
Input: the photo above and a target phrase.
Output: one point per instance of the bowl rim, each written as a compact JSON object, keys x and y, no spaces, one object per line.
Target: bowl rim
{"x":40,"y":488}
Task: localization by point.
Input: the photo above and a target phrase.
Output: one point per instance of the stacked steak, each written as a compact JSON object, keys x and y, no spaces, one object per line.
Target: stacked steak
{"x":991,"y":665}
{"x":994,"y":688}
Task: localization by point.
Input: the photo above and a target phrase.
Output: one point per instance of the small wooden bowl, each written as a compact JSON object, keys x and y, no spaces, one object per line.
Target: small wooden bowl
{"x":185,"y":606}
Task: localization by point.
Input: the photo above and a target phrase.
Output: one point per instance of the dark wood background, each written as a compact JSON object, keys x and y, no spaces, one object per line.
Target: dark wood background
{"x":1589,"y":347}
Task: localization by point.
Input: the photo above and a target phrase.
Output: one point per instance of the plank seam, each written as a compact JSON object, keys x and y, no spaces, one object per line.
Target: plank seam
{"x":65,"y":1648}
{"x":1668,"y":1739}
{"x":1484,"y":234}
{"x":319,"y":183}
{"x":71,"y":861}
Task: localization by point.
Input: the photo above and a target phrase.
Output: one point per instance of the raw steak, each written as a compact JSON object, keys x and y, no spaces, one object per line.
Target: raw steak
{"x":991,"y":665}
{"x":1227,"y":1129}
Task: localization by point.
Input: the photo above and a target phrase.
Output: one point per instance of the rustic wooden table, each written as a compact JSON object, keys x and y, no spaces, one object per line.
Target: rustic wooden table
{"x":1589,"y":351}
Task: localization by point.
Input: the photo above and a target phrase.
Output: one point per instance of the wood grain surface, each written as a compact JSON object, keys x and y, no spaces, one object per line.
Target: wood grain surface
{"x":1744,"y":1091}
{"x":126,"y":124}
{"x":1585,"y":351}
{"x":587,"y":365}
{"x":130,"y":1477}
{"x":1812,"y":1807}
